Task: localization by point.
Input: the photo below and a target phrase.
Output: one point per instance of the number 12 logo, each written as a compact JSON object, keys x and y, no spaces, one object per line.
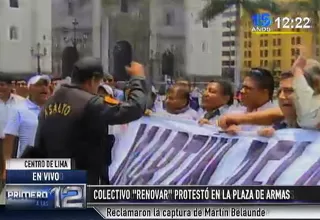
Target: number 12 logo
{"x":68,"y":197}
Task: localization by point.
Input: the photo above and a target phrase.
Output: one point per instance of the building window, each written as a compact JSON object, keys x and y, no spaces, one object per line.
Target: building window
{"x":14,"y":4}
{"x":298,"y":40}
{"x":278,"y":63}
{"x":228,"y":43}
{"x":245,"y":53}
{"x":169,"y":19}
{"x":250,"y":34}
{"x":249,"y":44}
{"x":266,"y":53}
{"x":265,"y":43}
{"x":293,"y":52}
{"x":261,"y":53}
{"x":249,"y":64}
{"x":292,"y":62}
{"x":229,"y":24}
{"x":124,"y":6}
{"x":228,"y":33}
{"x":279,"y":52}
{"x":279,"y":42}
{"x":13,"y":33}
{"x":228,"y":53}
{"x":245,"y":35}
{"x":205,"y":24}
{"x":293,"y":41}
{"x":265,"y":63}
{"x":228,"y":63}
{"x":70,"y":8}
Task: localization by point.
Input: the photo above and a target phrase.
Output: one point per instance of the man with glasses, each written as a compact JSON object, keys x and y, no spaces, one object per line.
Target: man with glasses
{"x":256,"y":95}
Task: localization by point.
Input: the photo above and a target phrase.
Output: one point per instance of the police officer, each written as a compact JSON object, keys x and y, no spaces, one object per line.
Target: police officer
{"x":74,"y":121}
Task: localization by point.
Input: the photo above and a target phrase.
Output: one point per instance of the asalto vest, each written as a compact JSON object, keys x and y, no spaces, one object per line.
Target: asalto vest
{"x":69,"y":130}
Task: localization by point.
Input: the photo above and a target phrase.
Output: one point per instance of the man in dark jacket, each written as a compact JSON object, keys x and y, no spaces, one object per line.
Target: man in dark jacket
{"x":74,"y":122}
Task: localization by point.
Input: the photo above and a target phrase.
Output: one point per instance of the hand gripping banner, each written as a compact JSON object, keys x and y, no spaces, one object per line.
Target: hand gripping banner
{"x":158,"y":151}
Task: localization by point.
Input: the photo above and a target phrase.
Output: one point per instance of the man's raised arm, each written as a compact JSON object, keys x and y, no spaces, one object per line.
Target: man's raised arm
{"x":265,"y":117}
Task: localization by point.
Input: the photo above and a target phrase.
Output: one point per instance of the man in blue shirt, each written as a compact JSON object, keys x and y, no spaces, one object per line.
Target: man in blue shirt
{"x":23,"y":121}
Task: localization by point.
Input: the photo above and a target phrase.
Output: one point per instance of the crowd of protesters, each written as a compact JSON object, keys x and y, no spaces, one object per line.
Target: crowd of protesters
{"x":251,"y":109}
{"x":297,"y":105}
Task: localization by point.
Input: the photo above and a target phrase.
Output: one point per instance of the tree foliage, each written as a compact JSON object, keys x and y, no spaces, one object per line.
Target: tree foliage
{"x":215,"y":7}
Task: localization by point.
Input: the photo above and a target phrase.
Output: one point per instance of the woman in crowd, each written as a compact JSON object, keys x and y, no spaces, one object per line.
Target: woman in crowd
{"x":216,"y":100}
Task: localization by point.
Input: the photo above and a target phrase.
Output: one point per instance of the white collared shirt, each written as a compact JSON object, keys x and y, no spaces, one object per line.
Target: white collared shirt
{"x":186,"y":113}
{"x":307,"y":104}
{"x":23,"y":123}
{"x":222,"y":110}
{"x":5,"y":110}
{"x":243,"y":109}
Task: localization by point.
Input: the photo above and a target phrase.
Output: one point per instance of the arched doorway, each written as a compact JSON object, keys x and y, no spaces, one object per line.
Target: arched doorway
{"x":122,"y":56}
{"x":168,"y":63}
{"x":70,"y":55}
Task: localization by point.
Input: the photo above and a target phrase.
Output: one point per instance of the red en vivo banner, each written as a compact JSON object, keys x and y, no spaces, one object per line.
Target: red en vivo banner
{"x":158,"y":151}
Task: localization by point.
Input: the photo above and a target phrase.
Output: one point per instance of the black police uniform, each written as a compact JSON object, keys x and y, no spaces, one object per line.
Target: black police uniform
{"x":73,"y":123}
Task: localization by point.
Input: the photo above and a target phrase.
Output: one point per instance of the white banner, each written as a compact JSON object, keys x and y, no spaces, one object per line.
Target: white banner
{"x":157,"y":151}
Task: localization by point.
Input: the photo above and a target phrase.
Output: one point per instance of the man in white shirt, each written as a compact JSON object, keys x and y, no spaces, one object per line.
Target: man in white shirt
{"x":7,"y":101}
{"x":306,"y":85}
{"x":23,"y":121}
{"x":256,"y":95}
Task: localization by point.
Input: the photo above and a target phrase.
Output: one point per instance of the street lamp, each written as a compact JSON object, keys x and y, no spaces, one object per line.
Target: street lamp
{"x":75,"y":40}
{"x":38,"y":54}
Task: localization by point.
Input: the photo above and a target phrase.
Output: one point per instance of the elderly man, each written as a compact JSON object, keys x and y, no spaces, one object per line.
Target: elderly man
{"x":286,"y":104}
{"x":307,"y":92}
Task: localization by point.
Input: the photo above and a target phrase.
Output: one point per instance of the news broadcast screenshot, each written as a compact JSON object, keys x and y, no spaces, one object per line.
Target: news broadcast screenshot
{"x":159,"y":109}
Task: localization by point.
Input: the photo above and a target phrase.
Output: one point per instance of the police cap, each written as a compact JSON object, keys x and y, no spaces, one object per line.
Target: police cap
{"x":87,"y":68}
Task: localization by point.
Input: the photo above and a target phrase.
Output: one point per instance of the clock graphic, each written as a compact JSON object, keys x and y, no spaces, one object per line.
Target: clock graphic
{"x":298,"y":22}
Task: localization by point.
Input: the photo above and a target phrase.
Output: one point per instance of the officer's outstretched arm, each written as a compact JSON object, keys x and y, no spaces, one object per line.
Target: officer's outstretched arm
{"x":114,"y":112}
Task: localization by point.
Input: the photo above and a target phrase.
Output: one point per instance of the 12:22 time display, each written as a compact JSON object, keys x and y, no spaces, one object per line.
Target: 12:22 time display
{"x":298,"y":22}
